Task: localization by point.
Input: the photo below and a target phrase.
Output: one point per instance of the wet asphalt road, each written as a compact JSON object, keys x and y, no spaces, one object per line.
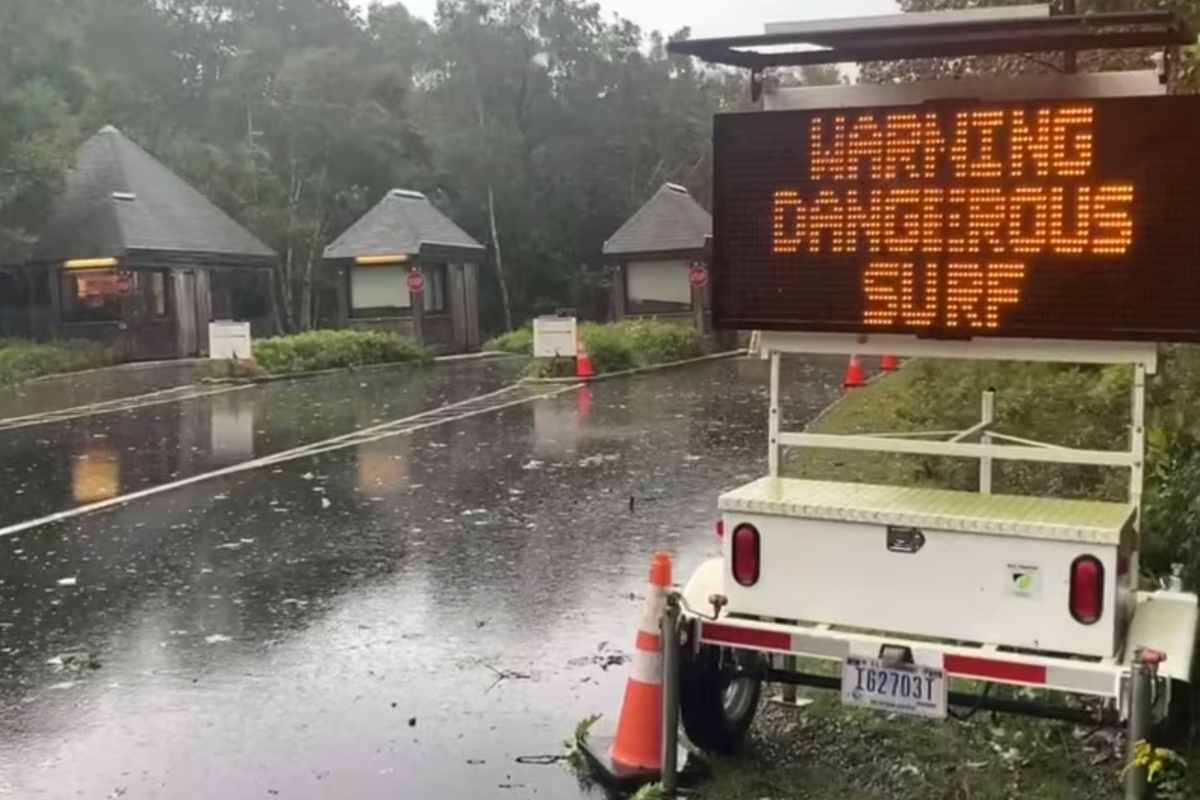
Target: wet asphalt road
{"x":400,"y":619}
{"x":55,"y":392}
{"x":48,"y":468}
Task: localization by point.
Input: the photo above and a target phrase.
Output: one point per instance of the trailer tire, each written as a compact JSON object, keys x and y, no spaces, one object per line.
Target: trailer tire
{"x":717,"y":702}
{"x":1175,"y":728}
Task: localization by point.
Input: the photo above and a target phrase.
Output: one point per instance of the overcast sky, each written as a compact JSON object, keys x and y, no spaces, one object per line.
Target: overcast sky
{"x":713,"y":17}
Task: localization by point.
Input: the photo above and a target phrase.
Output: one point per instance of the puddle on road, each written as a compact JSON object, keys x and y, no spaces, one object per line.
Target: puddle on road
{"x":53,"y":467}
{"x":404,"y":618}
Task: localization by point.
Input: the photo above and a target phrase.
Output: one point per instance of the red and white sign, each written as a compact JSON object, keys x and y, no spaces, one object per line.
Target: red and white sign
{"x":697,"y":276}
{"x":416,"y":282}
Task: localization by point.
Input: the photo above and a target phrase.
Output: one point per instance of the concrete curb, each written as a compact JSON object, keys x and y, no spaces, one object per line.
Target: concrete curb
{"x":637,"y":370}
{"x":132,"y":366}
{"x":289,"y":376}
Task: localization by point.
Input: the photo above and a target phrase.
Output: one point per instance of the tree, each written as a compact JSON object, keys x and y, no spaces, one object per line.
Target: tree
{"x":538,"y":125}
{"x":42,"y":91}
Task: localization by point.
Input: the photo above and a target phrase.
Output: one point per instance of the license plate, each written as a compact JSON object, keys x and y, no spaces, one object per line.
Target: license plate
{"x":901,"y":688}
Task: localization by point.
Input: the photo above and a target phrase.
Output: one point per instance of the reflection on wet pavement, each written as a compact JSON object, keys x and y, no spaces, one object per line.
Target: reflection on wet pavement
{"x":163,"y":443}
{"x":67,"y":391}
{"x":335,"y":626}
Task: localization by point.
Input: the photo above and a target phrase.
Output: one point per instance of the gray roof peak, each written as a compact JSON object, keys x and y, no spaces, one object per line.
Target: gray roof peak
{"x":404,"y":222}
{"x":95,"y":217}
{"x":670,"y":221}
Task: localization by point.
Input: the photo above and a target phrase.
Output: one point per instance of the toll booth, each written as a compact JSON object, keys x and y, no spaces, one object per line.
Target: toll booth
{"x":406,"y":267}
{"x":659,"y":264}
{"x":134,"y":256}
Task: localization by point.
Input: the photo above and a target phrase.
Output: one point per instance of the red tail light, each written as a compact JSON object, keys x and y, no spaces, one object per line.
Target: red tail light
{"x":720,"y":529}
{"x":1087,"y":590}
{"x":745,"y":555}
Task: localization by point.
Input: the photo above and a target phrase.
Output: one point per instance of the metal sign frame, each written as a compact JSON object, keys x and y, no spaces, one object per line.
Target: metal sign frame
{"x":978,"y":441}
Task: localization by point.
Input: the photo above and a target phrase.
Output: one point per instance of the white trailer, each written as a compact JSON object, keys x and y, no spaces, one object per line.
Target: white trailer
{"x":907,"y":588}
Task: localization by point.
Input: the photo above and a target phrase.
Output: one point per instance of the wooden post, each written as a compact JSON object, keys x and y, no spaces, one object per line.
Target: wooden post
{"x":417,"y":304}
{"x":55,"y":278}
{"x":456,"y":300}
{"x":471,"y":296}
{"x":618,"y":293}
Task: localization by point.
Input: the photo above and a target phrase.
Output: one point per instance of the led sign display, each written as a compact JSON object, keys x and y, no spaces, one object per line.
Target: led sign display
{"x":1054,"y":219}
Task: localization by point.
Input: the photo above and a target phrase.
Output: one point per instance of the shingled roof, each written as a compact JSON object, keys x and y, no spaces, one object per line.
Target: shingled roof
{"x":670,"y":221}
{"x":121,"y":202}
{"x":404,"y":222}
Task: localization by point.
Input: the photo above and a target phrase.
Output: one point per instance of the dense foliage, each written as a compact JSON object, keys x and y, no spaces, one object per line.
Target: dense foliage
{"x":21,"y":360}
{"x":317,"y":350}
{"x":538,"y":125}
{"x":1076,"y":406}
{"x":626,"y":345}
{"x":518,"y":342}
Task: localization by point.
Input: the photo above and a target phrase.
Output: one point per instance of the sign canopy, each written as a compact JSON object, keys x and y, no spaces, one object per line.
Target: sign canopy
{"x":1066,"y":219}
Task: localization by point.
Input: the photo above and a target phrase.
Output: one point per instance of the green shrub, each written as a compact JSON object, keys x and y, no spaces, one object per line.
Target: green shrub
{"x":1074,"y":406}
{"x":1078,"y":406}
{"x":21,"y":360}
{"x":626,"y":345}
{"x":317,"y":350}
{"x":1172,"y":504}
{"x":518,"y":342}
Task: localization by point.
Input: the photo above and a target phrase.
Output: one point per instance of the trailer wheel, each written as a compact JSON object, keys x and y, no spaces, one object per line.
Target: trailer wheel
{"x":717,"y":701}
{"x":1176,"y":727}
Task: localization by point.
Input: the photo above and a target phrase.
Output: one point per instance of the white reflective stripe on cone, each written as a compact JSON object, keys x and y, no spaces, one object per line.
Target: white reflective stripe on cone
{"x":646,"y":667}
{"x":656,"y":601}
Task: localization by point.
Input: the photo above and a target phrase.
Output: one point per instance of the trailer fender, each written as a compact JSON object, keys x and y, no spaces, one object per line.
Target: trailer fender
{"x":1165,"y":621}
{"x":705,"y":582}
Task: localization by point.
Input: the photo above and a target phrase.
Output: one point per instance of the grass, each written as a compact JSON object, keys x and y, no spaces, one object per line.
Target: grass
{"x":22,"y":360}
{"x":327,"y":349}
{"x":625,"y":345}
{"x":518,"y":342}
{"x":828,"y":752}
{"x":875,"y":409}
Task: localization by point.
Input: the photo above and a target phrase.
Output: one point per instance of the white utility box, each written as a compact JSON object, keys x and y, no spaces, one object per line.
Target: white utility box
{"x":229,"y":340}
{"x":554,"y":337}
{"x":989,"y":569}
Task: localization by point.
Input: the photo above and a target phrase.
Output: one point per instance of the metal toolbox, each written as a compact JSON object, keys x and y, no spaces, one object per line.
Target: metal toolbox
{"x":950,"y":565}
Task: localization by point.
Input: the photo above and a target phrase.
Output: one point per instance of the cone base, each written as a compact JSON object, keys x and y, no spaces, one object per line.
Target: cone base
{"x":598,"y":749}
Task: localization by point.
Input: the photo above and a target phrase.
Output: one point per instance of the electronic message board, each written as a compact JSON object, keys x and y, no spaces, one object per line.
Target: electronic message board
{"x":1072,"y":219}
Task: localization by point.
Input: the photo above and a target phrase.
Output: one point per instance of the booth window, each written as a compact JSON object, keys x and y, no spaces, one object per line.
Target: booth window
{"x":99,"y":295}
{"x":92,"y":296}
{"x":657,"y":287}
{"x":382,"y":291}
{"x":379,"y":291}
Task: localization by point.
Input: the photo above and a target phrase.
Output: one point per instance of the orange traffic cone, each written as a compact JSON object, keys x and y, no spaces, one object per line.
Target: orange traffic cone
{"x":583,"y":362}
{"x":639,"y":732}
{"x":854,"y":375}
{"x":889,"y":364}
